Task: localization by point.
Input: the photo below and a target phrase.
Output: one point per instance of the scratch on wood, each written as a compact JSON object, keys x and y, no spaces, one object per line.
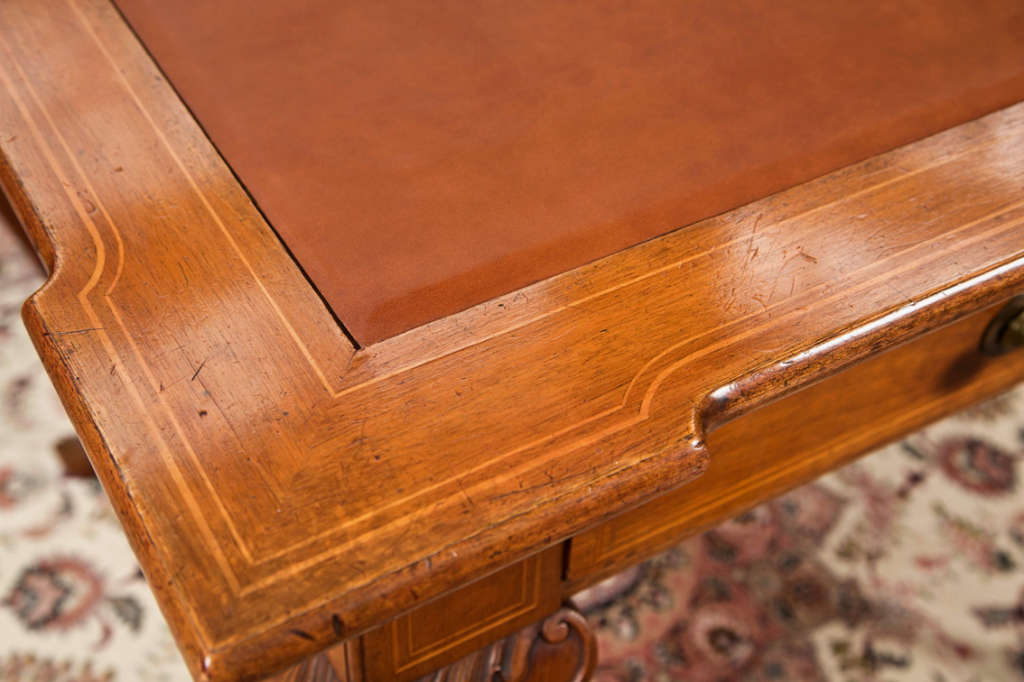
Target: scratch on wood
{"x":521,"y":491}
{"x":199,"y":369}
{"x":752,"y":250}
{"x":303,"y":634}
{"x":73,"y":331}
{"x":465,"y":494}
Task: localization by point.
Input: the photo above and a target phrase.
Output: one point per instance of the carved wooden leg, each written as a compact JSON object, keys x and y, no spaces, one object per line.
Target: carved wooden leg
{"x":561,"y":648}
{"x":343,"y":663}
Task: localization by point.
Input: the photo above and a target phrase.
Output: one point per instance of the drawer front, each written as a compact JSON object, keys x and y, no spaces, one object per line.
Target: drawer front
{"x":460,"y":622}
{"x":784,"y":444}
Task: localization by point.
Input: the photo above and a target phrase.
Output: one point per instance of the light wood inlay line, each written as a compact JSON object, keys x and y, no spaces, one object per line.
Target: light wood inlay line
{"x":101,"y":334}
{"x":529,"y":588}
{"x":761,"y":480}
{"x":83,"y":297}
{"x":645,"y":402}
{"x":199,"y":193}
{"x":287,"y":497}
{"x":648,"y":396}
{"x":337,"y":393}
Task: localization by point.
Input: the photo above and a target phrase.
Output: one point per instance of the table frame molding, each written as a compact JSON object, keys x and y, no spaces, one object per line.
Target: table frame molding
{"x":219,"y":399}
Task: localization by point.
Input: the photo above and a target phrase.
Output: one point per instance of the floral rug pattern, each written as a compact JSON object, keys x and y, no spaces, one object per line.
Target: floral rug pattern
{"x":907,"y":565}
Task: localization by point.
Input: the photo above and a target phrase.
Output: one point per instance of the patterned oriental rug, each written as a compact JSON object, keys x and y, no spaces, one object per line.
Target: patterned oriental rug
{"x":907,"y":565}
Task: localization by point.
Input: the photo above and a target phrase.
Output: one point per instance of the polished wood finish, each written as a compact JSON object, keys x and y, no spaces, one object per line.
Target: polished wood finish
{"x":461,"y":622}
{"x":790,"y":442}
{"x":760,"y":455}
{"x":285,"y":492}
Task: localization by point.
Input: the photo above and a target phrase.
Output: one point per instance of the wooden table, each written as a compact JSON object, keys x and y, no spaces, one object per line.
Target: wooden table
{"x":377,"y":512}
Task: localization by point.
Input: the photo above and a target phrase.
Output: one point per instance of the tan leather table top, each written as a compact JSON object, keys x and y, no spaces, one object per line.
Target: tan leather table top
{"x":420,"y":157}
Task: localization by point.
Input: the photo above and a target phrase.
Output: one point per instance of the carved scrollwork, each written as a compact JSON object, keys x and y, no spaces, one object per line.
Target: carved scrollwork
{"x":561,"y":648}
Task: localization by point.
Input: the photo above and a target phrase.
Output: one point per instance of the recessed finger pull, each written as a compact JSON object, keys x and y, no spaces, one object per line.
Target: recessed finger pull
{"x":1006,"y":330}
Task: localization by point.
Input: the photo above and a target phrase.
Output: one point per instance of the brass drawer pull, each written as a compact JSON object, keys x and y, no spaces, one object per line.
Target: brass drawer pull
{"x":1006,"y":330}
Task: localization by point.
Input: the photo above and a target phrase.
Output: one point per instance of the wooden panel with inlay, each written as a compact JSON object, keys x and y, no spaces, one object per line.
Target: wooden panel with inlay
{"x":460,"y":622}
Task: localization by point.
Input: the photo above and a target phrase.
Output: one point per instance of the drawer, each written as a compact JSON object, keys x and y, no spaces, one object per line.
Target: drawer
{"x":792,"y":441}
{"x":444,"y":630}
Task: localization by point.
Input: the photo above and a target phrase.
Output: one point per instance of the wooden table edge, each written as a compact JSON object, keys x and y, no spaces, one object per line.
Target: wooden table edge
{"x":802,"y":358}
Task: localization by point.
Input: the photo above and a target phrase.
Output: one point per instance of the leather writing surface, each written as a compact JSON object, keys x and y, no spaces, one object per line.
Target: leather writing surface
{"x":420,"y":157}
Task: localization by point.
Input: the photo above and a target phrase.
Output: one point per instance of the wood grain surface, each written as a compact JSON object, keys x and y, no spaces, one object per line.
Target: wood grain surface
{"x":284,"y":491}
{"x":461,"y":622}
{"x":794,"y":440}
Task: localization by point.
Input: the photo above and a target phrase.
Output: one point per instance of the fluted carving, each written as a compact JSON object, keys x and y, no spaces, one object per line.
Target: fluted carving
{"x":316,"y":669}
